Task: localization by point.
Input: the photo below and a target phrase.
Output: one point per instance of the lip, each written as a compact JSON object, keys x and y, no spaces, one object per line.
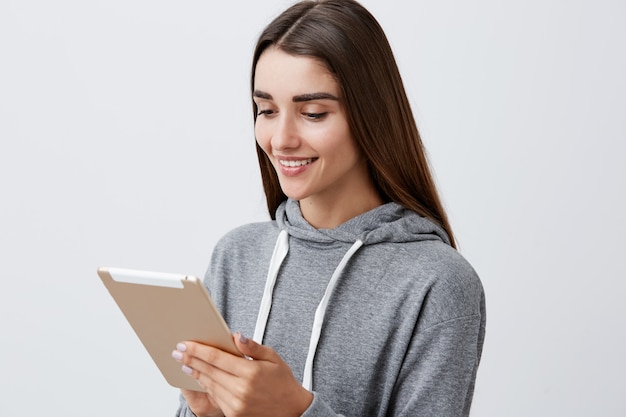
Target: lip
{"x":291,"y":166}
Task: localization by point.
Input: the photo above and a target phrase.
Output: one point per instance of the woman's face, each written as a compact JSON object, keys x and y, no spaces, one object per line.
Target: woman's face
{"x":302,"y":127}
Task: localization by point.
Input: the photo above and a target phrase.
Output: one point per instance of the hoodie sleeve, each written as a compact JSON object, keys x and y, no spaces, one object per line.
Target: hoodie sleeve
{"x":438,"y":374}
{"x":183,"y":409}
{"x":318,"y":408}
{"x":439,"y":367}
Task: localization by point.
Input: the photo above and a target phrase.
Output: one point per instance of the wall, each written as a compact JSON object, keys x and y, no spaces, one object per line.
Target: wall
{"x":125,"y":125}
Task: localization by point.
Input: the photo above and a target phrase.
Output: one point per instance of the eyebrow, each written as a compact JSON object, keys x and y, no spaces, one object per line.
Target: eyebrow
{"x":299,"y":98}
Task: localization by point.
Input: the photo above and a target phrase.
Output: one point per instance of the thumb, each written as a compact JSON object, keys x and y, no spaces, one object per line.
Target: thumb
{"x":253,"y":349}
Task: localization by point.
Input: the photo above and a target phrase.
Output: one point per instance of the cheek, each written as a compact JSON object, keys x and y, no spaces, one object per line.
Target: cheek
{"x":262,"y":137}
{"x":343,"y":145}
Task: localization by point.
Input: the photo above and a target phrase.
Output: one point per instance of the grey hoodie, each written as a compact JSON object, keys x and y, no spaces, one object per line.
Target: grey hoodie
{"x":399,"y":331}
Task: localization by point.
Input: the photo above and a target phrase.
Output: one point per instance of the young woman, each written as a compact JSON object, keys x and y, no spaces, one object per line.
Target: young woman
{"x":357,"y":301}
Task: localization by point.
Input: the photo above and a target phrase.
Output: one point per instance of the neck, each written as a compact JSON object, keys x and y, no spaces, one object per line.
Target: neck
{"x":330,"y":213}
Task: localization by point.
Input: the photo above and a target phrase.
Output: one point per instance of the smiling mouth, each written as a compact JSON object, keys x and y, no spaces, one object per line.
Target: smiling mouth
{"x":298,"y":163}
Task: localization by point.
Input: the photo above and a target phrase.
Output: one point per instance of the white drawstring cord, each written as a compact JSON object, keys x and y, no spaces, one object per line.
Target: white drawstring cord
{"x":278,"y":256}
{"x":320,"y":312}
{"x":280,"y":251}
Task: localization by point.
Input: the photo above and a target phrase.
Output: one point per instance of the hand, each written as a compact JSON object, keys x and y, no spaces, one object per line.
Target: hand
{"x":238,"y":386}
{"x":201,"y":404}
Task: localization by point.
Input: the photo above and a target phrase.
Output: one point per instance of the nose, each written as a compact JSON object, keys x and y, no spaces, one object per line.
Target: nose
{"x":285,"y":134}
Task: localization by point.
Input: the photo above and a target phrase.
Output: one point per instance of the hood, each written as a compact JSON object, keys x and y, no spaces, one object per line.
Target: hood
{"x":387,"y":223}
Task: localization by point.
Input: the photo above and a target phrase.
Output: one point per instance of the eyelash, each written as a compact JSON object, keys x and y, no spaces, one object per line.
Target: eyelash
{"x":315,"y":116}
{"x":312,"y":116}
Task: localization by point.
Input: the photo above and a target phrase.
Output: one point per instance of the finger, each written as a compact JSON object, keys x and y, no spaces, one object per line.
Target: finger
{"x":255,"y":350}
{"x":201,"y":403}
{"x":219,"y":387}
{"x":222,"y":388}
{"x":213,"y":380}
{"x":205,"y":359}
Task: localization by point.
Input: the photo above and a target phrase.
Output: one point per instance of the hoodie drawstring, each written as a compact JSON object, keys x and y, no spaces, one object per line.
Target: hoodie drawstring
{"x":278,"y":256}
{"x":307,"y":380}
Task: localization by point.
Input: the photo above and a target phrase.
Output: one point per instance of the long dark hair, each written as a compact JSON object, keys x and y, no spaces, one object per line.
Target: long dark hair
{"x":344,"y":36}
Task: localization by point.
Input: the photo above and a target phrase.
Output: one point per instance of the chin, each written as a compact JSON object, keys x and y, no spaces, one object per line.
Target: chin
{"x":294,"y":192}
{"x":295,"y":196}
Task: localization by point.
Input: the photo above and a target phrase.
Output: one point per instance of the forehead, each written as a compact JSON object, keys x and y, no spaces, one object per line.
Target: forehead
{"x":278,"y":72}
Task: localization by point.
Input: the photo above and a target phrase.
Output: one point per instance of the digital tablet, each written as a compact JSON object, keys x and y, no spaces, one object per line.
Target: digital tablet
{"x":165,"y":309}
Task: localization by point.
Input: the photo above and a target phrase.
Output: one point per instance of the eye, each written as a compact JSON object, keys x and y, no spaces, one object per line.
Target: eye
{"x":266,"y":112}
{"x":315,"y":116}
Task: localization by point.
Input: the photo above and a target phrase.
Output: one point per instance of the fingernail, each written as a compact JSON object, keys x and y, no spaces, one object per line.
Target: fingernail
{"x":243,"y":339}
{"x":181,"y":347}
{"x":177,"y":354}
{"x":187,"y":369}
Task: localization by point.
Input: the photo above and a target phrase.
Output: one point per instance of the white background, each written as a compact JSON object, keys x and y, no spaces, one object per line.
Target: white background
{"x":126,"y":140}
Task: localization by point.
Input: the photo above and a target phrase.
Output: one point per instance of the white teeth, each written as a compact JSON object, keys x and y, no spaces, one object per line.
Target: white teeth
{"x":298,"y":163}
